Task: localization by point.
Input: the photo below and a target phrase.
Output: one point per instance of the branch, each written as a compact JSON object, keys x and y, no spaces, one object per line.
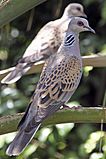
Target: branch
{"x":83,"y":115}
{"x":10,"y":9}
{"x":93,"y":60}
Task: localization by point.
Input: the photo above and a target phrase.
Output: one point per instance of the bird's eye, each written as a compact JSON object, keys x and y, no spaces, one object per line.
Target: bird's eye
{"x":78,"y":8}
{"x":80,"y":23}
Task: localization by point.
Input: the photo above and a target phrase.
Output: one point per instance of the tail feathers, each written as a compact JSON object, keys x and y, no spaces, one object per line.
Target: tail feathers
{"x":16,"y":74}
{"x":21,"y":140}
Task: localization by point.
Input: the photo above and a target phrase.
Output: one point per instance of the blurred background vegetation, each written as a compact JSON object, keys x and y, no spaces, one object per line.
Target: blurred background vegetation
{"x":65,"y":141}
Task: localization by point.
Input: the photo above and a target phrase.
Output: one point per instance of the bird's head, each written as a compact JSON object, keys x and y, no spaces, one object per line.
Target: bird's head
{"x":79,"y":24}
{"x":74,"y":9}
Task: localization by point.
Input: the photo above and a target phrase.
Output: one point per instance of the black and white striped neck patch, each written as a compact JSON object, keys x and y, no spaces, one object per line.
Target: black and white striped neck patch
{"x":69,"y":40}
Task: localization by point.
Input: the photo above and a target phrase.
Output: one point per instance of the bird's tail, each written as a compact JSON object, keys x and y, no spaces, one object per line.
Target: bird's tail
{"x":22,"y":67}
{"x":21,"y":140}
{"x":27,"y":129}
{"x":17,"y":73}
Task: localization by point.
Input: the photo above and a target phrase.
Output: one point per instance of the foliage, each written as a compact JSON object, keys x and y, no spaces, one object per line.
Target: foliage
{"x":69,"y":141}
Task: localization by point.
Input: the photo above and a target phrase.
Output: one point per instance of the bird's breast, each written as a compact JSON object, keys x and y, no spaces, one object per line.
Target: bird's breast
{"x":71,"y":71}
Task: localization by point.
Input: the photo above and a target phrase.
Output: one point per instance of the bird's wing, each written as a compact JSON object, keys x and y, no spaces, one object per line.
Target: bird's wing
{"x":44,"y":44}
{"x":57,"y":81}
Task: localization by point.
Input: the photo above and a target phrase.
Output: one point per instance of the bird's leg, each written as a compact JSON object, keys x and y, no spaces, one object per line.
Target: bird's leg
{"x":66,"y":107}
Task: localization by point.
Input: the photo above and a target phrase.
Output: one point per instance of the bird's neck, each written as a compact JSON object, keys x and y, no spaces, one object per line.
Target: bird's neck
{"x":71,"y":43}
{"x":66,"y":15}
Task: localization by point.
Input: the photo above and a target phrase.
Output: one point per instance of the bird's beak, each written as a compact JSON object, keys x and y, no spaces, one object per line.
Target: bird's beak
{"x":84,"y":15}
{"x":90,"y":29}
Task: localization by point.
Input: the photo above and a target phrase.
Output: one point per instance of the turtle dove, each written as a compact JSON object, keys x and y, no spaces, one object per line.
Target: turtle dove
{"x":45,"y":43}
{"x":59,"y":79}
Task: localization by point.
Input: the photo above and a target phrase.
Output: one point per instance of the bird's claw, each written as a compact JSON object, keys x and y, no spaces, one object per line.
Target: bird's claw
{"x":66,"y":107}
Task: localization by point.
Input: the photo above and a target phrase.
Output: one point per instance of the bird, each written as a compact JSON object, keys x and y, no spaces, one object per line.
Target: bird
{"x":59,"y":79}
{"x":46,"y":42}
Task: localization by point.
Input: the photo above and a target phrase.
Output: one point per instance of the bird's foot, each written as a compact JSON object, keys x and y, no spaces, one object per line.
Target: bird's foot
{"x":66,"y":107}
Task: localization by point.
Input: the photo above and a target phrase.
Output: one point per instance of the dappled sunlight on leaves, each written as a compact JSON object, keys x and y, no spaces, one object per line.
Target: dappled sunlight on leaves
{"x":96,"y":156}
{"x":87,"y":69}
{"x":44,"y":134}
{"x":94,"y":138}
{"x":64,"y":129}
